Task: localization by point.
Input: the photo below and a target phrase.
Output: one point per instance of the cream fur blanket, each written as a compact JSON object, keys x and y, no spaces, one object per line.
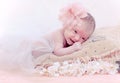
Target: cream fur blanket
{"x":104,"y":42}
{"x":98,"y":55}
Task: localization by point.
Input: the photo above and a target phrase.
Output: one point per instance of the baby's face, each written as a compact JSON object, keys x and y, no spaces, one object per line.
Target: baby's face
{"x":75,"y":34}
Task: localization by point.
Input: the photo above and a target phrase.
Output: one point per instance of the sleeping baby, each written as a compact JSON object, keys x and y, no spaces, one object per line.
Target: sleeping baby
{"x":78,"y":25}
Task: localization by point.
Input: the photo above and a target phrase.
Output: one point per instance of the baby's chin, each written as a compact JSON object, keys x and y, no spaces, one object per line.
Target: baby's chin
{"x":70,"y":43}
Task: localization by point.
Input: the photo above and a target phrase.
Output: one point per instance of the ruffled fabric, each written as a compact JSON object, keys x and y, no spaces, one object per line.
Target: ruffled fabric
{"x":77,"y":68}
{"x":16,"y":52}
{"x":72,"y":14}
{"x":82,"y":66}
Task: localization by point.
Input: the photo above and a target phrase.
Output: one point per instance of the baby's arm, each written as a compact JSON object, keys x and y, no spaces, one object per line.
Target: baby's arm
{"x":60,"y":51}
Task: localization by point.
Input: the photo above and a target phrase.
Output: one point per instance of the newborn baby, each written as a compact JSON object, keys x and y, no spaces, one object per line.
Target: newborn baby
{"x":78,"y":25}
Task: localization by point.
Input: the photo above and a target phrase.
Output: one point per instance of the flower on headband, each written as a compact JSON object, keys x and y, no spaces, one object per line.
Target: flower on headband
{"x":72,"y":14}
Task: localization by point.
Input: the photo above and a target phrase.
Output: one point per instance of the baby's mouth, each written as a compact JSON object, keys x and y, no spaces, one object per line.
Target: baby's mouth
{"x":70,"y":42}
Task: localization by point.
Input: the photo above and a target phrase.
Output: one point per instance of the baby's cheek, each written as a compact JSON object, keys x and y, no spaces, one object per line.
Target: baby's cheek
{"x":81,"y":40}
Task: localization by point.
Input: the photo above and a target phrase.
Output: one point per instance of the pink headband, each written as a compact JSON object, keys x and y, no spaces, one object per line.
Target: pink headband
{"x":72,"y":14}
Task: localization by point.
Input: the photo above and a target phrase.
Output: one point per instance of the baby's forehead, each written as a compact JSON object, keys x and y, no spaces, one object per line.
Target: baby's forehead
{"x":85,"y":28}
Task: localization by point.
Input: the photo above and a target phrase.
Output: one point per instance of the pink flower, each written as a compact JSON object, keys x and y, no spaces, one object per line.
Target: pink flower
{"x":72,"y":14}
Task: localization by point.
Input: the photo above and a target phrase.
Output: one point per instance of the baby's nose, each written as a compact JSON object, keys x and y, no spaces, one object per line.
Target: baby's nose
{"x":76,"y":38}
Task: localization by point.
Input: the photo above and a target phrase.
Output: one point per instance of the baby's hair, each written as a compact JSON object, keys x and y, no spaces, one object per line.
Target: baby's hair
{"x":74,"y":14}
{"x":90,"y":22}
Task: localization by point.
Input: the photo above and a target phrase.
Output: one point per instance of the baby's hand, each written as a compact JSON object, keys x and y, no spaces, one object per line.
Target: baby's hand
{"x":77,"y":46}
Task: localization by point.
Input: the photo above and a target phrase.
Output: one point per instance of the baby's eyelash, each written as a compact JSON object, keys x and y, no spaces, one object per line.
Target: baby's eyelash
{"x":75,"y":31}
{"x":83,"y":38}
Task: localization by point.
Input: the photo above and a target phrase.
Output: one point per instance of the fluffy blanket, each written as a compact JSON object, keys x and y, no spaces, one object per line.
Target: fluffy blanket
{"x":98,"y":56}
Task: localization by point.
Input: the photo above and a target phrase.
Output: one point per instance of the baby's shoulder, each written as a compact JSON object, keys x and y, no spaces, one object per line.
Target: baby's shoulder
{"x":58,"y":35}
{"x":55,"y":36}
